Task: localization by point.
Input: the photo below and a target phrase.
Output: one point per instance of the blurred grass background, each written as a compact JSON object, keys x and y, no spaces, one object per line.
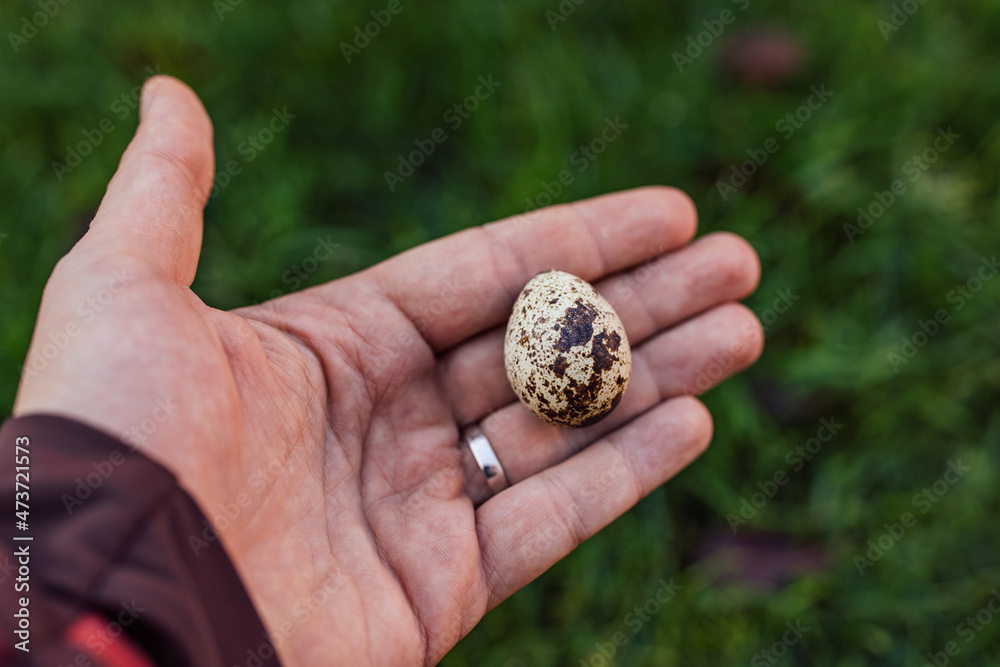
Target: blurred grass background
{"x":827,"y":354}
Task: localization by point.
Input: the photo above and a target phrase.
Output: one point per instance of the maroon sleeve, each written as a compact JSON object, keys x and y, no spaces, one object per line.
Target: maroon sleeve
{"x":108,"y":561}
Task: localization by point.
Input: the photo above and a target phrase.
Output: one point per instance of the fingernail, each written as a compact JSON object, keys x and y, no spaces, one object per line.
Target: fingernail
{"x":148,"y":92}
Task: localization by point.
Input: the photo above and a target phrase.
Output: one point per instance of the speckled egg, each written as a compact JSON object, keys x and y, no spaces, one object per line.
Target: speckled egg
{"x":565,"y":352}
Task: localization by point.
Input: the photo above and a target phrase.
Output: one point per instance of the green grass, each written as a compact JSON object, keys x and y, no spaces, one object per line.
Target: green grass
{"x":826,"y":355}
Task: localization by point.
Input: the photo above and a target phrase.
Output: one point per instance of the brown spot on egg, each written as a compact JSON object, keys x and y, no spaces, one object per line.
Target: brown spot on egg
{"x":578,"y":326}
{"x":602,"y":350}
{"x":551,"y":415}
{"x":604,"y":411}
{"x":590,"y":421}
{"x":559,"y":366}
{"x":581,"y":397}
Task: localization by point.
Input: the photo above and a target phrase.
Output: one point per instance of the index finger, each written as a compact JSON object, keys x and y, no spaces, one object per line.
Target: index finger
{"x":465,"y":283}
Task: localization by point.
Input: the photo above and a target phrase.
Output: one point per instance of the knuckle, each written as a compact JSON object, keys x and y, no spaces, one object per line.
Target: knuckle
{"x":176,"y":177}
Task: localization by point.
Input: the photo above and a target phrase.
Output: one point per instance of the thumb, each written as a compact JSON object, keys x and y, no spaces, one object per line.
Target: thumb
{"x":152,"y":210}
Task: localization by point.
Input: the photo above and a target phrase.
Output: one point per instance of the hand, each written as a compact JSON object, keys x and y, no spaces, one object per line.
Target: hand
{"x":335,"y":411}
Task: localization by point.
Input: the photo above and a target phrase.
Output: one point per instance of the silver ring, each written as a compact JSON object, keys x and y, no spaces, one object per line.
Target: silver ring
{"x":478,"y":445}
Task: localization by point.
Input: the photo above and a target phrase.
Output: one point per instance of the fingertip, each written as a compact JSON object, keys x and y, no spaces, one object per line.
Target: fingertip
{"x":702,"y":426}
{"x":750,"y":344}
{"x":678,"y":209}
{"x":742,"y":262}
{"x":148,"y":91}
{"x":750,"y":260}
{"x":166,"y":98}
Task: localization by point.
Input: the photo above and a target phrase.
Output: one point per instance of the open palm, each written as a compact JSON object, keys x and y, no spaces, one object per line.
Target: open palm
{"x":319,"y":431}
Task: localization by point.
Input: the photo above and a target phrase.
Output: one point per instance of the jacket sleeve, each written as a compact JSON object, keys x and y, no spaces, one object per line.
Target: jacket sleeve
{"x":107,"y":561}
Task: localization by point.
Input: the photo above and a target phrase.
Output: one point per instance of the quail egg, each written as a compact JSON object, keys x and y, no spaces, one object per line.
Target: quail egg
{"x":565,"y":351}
